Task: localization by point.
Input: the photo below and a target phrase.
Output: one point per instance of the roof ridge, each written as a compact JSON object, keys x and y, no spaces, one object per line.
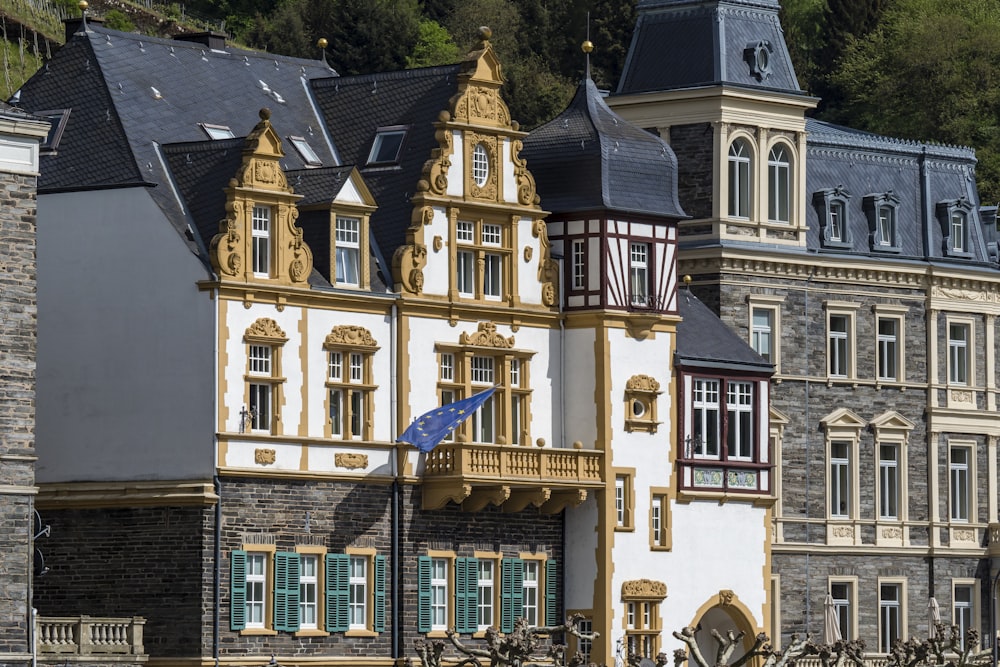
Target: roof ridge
{"x":414,"y":73}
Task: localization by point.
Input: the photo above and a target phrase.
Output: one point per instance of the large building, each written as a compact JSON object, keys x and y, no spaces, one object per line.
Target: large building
{"x":20,"y":138}
{"x":863,"y":268}
{"x":254,"y":274}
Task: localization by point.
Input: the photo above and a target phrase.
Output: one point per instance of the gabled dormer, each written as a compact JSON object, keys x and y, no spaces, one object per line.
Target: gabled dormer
{"x":258,"y":240}
{"x":476,"y":233}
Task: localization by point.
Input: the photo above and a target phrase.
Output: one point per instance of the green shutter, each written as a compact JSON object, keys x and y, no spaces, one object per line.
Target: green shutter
{"x":379,"y":594}
{"x":466,"y":588}
{"x":338,"y":576}
{"x":238,"y":590}
{"x":423,"y":594}
{"x":511,"y":593}
{"x":286,"y":591}
{"x":551,"y":592}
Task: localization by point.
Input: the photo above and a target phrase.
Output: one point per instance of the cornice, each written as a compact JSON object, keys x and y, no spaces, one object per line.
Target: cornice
{"x":93,"y":495}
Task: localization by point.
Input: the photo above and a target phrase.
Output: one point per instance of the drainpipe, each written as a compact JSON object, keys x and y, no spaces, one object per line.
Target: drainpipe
{"x":808,"y":431}
{"x":396,"y":548}
{"x":217,"y":487}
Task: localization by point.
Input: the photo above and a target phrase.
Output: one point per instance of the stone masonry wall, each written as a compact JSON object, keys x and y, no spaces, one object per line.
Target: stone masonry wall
{"x":693,"y":143}
{"x":17,"y":410}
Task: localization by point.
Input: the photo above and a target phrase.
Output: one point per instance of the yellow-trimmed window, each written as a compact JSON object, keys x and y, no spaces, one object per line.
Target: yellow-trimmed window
{"x":349,"y":383}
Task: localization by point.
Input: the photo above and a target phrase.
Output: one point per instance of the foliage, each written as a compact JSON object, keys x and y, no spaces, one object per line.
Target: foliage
{"x":930,"y":70}
{"x":118,"y":20}
{"x":806,"y":33}
{"x":434,"y":46}
{"x":20,"y":61}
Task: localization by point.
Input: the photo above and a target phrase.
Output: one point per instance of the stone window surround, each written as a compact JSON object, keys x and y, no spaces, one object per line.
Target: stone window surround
{"x":898,"y":313}
{"x":903,"y":604}
{"x":852,"y":600}
{"x":772,"y":303}
{"x":849,"y":310}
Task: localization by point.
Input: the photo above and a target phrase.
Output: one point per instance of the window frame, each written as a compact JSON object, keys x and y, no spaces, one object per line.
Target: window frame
{"x":482,"y":267}
{"x":639,"y":274}
{"x":659,"y":531}
{"x":345,"y":248}
{"x":319,"y":553}
{"x":381,"y":134}
{"x":578,"y":264}
{"x":348,"y":343}
{"x":891,"y":492}
{"x":642,"y":620}
{"x":624,"y":499}
{"x":309,"y":156}
{"x":956,"y":238}
{"x":826,"y":203}
{"x":263,"y":333}
{"x":847,"y":369}
{"x":970,"y":472}
{"x":239,"y":611}
{"x":966,"y":347}
{"x":895,"y":314}
{"x":884,"y":641}
{"x":739,"y":171}
{"x":779,"y":174}
{"x":882,"y":211}
{"x":973,"y":586}
{"x":261,"y":240}
{"x":772,"y":305}
{"x":845,"y":608}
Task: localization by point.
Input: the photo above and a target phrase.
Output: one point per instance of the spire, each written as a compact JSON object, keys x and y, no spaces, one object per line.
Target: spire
{"x":83,"y":17}
{"x":587,"y":47}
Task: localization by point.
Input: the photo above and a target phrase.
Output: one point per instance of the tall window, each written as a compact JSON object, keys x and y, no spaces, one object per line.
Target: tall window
{"x":349,"y":382}
{"x":890,"y":624}
{"x":835,"y":231}
{"x":958,"y":353}
{"x":762,"y":333}
{"x":439,"y":594}
{"x":739,"y":179}
{"x":888,"y":463}
{"x":579,"y":264}
{"x":739,"y":427}
{"x":309,"y":592}
{"x":957,"y":235}
{"x":256,"y":588}
{"x":492,"y":263}
{"x":480,"y":165}
{"x":839,"y":345}
{"x":264,"y":339}
{"x":481,"y":260}
{"x":620,"y":499}
{"x":643,"y":625}
{"x":260,"y":392}
{"x":888,"y":348}
{"x":705,"y":418}
{"x":485,"y":593}
{"x":348,"y":250}
{"x":484,"y":419}
{"x":261,"y":241}
{"x":840,"y":480}
{"x":358,"y":592}
{"x":658,"y":520}
{"x":779,"y":185}
{"x":959,"y":479}
{"x":963,"y":604}
{"x":842,"y":593}
{"x":586,"y":627}
{"x":639,"y":273}
{"x":885,"y":234}
{"x":530,"y":592}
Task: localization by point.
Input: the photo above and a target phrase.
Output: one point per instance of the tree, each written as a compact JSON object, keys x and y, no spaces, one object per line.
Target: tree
{"x":930,"y":71}
{"x":434,"y":46}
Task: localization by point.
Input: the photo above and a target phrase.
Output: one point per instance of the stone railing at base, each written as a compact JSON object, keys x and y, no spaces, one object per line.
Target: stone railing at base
{"x":67,"y":636}
{"x":870,"y":661}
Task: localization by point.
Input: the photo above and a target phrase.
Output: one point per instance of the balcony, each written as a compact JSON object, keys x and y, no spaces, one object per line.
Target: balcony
{"x":511,"y":477}
{"x":81,"y":638}
{"x":722,"y":477}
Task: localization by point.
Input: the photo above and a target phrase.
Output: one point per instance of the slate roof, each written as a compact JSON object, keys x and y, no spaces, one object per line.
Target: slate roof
{"x":128,"y":94}
{"x":705,"y":341}
{"x":694,"y":43}
{"x":920,"y":175}
{"x":356,"y":106}
{"x":589,"y":158}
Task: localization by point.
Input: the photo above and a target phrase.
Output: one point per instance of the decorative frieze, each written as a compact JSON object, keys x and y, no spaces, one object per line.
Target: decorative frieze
{"x":644,"y":588}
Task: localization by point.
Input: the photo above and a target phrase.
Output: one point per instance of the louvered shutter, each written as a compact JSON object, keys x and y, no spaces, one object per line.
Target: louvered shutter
{"x":423,"y":594}
{"x":238,"y":590}
{"x":511,"y":593}
{"x":379,"y":594}
{"x":551,"y":592}
{"x":338,"y":576}
{"x":466,"y":583}
{"x":286,"y":591}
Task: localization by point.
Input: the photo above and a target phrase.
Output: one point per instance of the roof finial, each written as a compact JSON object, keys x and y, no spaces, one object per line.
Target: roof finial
{"x":484,"y":34}
{"x":587,"y":46}
{"x":321,"y":43}
{"x":83,"y":17}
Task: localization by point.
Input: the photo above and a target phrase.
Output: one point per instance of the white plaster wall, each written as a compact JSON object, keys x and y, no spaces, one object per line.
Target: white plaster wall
{"x":581,"y":554}
{"x":437,"y":270}
{"x":126,"y":342}
{"x":528,"y":287}
{"x":456,"y":172}
{"x":507,"y":173}
{"x":580,"y":371}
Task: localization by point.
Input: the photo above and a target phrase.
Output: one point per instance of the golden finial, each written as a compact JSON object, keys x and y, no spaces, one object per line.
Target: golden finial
{"x":264,"y":113}
{"x":83,"y":5}
{"x":687,"y":280}
{"x":321,"y":43}
{"x":587,"y":46}
{"x":485,"y":33}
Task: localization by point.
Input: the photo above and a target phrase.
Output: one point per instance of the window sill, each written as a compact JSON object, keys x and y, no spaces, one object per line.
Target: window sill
{"x":624,"y":529}
{"x":357,"y":632}
{"x":258,"y":632}
{"x":311,"y":632}
{"x":437,"y":634}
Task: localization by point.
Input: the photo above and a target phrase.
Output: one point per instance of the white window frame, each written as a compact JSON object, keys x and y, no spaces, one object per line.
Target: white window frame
{"x":886,"y":344}
{"x":771,"y":304}
{"x":530,"y":585}
{"x":890,"y":482}
{"x":579,"y":258}
{"x":702,"y":406}
{"x":260,"y":364}
{"x":845,"y":605}
{"x":620,"y":500}
{"x":740,"y":405}
{"x":492,"y":276}
{"x":260,"y":222}
{"x":639,"y":288}
{"x":256,"y":589}
{"x":958,"y":224}
{"x":465,"y":272}
{"x":965,"y":613}
{"x":357,"y":603}
{"x":841,"y":479}
{"x":440,"y":588}
{"x":836,"y":222}
{"x":309,"y":589}
{"x":887,"y":608}
{"x":841,"y":348}
{"x":886,"y":226}
{"x":486,"y":589}
{"x":960,"y":352}
{"x":779,"y":180}
{"x":961,"y":483}
{"x":480,"y":164}
{"x":887,"y":349}
{"x":348,"y":250}
{"x":740,"y":171}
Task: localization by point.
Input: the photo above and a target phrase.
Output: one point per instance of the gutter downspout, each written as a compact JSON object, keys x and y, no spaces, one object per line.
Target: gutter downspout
{"x":395,"y":575}
{"x":808,"y":484}
{"x":217,"y":487}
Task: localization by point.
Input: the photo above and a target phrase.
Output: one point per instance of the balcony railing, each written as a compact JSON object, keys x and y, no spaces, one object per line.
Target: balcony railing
{"x":514,"y":464}
{"x":89,"y":635}
{"x":994,"y":543}
{"x":714,"y":475}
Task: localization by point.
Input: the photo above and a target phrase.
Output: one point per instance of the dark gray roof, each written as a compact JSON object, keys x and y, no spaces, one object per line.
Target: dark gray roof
{"x":920,"y":175}
{"x":129,"y":94}
{"x":694,"y":43}
{"x":356,"y":106}
{"x":589,"y":158}
{"x":703,"y":340}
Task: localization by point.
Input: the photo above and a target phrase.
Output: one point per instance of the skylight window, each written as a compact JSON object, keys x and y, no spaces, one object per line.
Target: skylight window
{"x":387,"y":146}
{"x":305,"y":150}
{"x":216,"y":132}
{"x":58,"y":118}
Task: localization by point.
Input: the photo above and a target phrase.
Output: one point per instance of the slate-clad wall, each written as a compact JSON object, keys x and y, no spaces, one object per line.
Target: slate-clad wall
{"x":17,"y":409}
{"x":693,"y":145}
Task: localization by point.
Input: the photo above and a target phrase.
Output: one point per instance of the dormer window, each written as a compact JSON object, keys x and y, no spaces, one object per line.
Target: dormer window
{"x":348,"y":245}
{"x":883,"y":228}
{"x":739,"y":179}
{"x":261,"y":245}
{"x":954,"y":217}
{"x":305,"y":151}
{"x":831,"y":208}
{"x":217,"y":132}
{"x":387,"y":146}
{"x":758,"y":57}
{"x":480,"y":165}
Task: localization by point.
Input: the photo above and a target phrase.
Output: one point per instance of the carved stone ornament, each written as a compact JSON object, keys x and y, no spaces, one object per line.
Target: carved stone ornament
{"x":892,"y":533}
{"x":548,"y":268}
{"x":226,"y":248}
{"x":843,"y":531}
{"x":489,"y":189}
{"x":964,"y":535}
{"x":435,"y":173}
{"x":726,"y":597}
{"x":528,"y":252}
{"x":350,"y":461}
{"x":644,"y":588}
{"x":961,"y":395}
{"x":408,"y":267}
{"x":486,"y":336}
{"x":642,"y":383}
{"x":350,"y":335}
{"x":438,"y":243}
{"x":526,"y":195}
{"x":265,"y":327}
{"x":263,"y":457}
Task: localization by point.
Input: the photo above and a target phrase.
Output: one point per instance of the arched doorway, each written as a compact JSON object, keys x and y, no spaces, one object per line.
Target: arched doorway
{"x":724,"y":614}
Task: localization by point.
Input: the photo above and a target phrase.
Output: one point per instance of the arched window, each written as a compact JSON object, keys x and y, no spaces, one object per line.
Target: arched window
{"x":778,"y":184}
{"x":739,"y":179}
{"x":480,"y":165}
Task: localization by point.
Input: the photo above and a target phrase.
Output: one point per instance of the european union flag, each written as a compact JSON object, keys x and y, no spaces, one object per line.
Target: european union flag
{"x":430,"y":428}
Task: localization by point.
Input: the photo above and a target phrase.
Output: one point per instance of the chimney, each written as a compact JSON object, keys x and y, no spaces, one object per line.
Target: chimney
{"x":212,"y":39}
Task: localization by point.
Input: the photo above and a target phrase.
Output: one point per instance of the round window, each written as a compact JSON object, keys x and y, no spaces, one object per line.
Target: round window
{"x":480,"y":165}
{"x":638,"y":408}
{"x":763,"y":60}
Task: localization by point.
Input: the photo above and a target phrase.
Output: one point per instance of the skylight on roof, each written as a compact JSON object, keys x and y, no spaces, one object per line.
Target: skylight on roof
{"x":216,"y":132}
{"x":305,"y":150}
{"x":58,"y":118}
{"x":387,"y":145}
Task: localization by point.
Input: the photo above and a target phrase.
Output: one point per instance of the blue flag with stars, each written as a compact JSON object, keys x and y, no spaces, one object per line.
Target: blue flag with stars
{"x":430,"y":428}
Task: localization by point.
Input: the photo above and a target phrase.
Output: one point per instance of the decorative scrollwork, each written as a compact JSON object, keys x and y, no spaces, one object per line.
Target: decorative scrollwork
{"x":486,"y":336}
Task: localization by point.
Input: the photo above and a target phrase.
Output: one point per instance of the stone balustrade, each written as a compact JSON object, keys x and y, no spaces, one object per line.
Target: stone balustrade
{"x":89,"y":635}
